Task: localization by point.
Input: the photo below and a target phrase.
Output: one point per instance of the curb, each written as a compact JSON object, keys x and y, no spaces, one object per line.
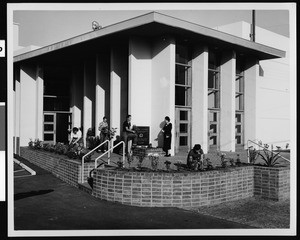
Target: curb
{"x":32,"y":172}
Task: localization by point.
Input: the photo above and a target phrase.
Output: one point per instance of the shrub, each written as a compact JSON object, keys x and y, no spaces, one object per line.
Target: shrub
{"x":129,"y":158}
{"x":268,"y":156}
{"x":209,"y":164}
{"x":154,"y":157}
{"x":167,"y":163}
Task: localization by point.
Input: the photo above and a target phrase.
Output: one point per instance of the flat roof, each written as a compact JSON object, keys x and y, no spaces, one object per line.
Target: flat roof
{"x":265,"y":52}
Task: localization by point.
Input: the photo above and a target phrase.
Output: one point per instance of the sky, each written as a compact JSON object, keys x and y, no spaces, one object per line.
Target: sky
{"x":42,"y":28}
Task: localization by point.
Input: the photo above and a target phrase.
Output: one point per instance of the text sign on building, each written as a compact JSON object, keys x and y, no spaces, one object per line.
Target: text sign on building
{"x":2,"y":48}
{"x":143,"y":135}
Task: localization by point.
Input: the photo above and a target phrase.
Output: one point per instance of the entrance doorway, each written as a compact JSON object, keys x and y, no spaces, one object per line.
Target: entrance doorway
{"x":56,"y":126}
{"x":182,"y":129}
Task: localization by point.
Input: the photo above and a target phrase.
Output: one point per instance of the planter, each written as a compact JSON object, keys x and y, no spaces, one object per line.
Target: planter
{"x":59,"y":165}
{"x":272,"y":182}
{"x":173,"y":189}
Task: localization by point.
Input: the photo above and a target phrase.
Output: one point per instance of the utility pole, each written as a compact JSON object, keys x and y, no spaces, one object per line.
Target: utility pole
{"x":252,"y":34}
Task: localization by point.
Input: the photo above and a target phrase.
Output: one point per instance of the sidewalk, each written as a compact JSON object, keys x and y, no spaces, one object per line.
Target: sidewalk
{"x":44,"y":202}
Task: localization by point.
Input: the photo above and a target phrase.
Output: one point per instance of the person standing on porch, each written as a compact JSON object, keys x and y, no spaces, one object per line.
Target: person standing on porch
{"x":129,"y":133}
{"x":104,"y":133}
{"x":167,"y":131}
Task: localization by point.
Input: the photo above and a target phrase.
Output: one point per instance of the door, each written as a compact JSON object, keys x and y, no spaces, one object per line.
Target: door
{"x":50,"y":128}
{"x":56,"y":126}
{"x":182,"y":129}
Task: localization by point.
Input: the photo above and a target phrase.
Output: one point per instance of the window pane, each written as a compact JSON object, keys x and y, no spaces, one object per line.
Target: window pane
{"x":212,"y":60}
{"x":183,"y":128}
{"x":48,"y":137}
{"x":180,"y":96}
{"x":238,"y":140}
{"x":211,"y":79}
{"x":48,"y":118}
{"x":238,"y":128}
{"x":183,"y":115}
{"x":238,"y":118}
{"x":213,"y":140}
{"x":213,"y":128}
{"x":182,"y":54}
{"x":48,"y":127}
{"x":183,"y":140}
{"x":180,"y":77}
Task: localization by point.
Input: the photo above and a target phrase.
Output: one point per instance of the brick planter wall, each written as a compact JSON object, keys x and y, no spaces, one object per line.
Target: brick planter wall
{"x":159,"y":189}
{"x":272,"y":182}
{"x":174,"y":189}
{"x":59,"y":165}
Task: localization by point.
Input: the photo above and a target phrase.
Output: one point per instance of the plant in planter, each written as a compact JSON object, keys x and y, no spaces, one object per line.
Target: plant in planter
{"x":269,"y":157}
{"x":154,"y":157}
{"x":141,"y":158}
{"x":253,"y":154}
{"x":30,"y":143}
{"x":178,"y":164}
{"x":231,"y":161}
{"x":168,"y":164}
{"x":60,"y":148}
{"x":238,"y":161}
{"x":46,"y":146}
{"x":83,"y":151}
{"x":129,"y":158}
{"x":37,"y":144}
{"x":209,"y":165}
{"x":223,"y":160}
{"x":120,"y":163}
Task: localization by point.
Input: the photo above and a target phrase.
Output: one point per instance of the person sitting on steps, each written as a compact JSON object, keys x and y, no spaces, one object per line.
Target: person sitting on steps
{"x":129,"y":133}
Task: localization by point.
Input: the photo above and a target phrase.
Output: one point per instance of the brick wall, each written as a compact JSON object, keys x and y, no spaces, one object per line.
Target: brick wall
{"x":59,"y":165}
{"x":272,"y":183}
{"x":174,"y":189}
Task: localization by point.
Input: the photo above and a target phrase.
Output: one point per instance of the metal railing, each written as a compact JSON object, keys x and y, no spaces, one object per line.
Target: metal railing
{"x":82,"y":159}
{"x":261,"y":146}
{"x":108,"y":152}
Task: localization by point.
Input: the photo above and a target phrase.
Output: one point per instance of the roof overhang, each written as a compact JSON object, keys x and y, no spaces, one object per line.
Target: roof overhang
{"x":174,"y":25}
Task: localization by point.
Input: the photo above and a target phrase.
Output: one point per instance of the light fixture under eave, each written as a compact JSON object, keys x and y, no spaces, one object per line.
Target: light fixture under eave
{"x":96,"y":26}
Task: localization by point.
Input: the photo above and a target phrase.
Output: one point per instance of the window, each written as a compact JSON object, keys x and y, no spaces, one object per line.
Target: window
{"x":213,"y":81}
{"x":239,"y":102}
{"x":183,"y":76}
{"x":213,"y":99}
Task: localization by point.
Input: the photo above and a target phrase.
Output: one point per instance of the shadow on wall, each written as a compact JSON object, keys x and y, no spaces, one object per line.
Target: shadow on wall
{"x":160,"y":136}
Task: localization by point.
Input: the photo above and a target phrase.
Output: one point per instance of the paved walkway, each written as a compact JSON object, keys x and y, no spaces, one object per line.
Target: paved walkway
{"x":44,"y":202}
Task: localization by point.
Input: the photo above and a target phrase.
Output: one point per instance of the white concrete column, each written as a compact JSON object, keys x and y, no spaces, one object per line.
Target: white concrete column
{"x":140,"y":75}
{"x":227,"y":102}
{"x":163,"y":88}
{"x":115,"y":93}
{"x":199,"y":97}
{"x":77,"y":96}
{"x":28,"y":100}
{"x":251,"y":75}
{"x":39,"y":102}
{"x":88,"y":96}
{"x":102,"y":98}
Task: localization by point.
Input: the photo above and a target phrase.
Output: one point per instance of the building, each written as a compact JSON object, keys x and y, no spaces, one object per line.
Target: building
{"x":207,"y":81}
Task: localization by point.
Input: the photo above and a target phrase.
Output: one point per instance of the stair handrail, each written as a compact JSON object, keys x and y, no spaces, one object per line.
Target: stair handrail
{"x":109,"y":150}
{"x":259,"y":149}
{"x":82,"y":159}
